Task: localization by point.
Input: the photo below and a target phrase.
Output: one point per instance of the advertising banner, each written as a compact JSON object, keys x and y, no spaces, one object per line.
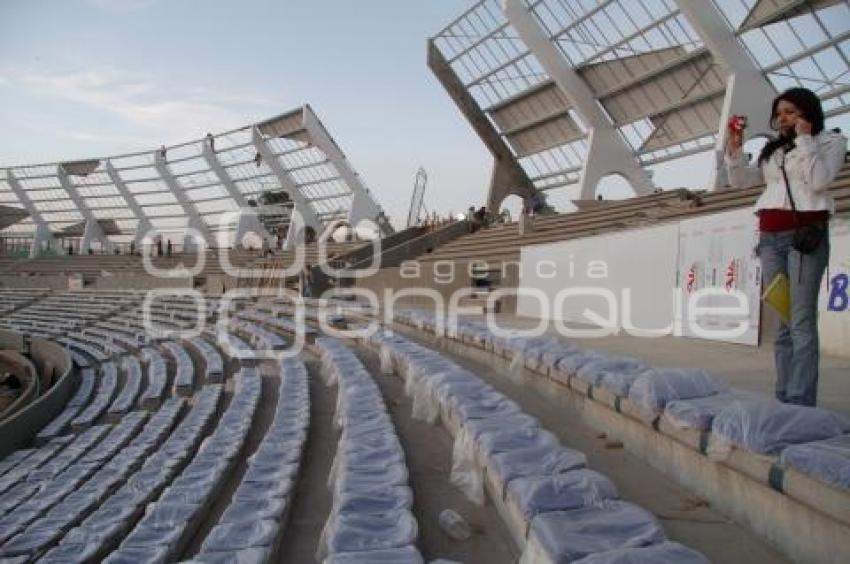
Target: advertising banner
{"x":834,"y":306}
{"x":716,"y":257}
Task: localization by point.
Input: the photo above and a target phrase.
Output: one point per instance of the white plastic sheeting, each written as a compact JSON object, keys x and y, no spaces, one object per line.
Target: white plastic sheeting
{"x":371,"y":508}
{"x":67,"y":493}
{"x":404,"y":555}
{"x":213,"y":365}
{"x":595,"y":371}
{"x":170,"y":521}
{"x":699,"y":413}
{"x":255,"y":517}
{"x":357,"y":532}
{"x":651,"y":391}
{"x":253,"y":555}
{"x":50,"y":489}
{"x":663,"y":553}
{"x":537,"y":460}
{"x":107,"y":385}
{"x":767,"y":427}
{"x":74,"y":406}
{"x":506,"y":448}
{"x":184,"y":371}
{"x":132,"y":387}
{"x":136,"y":486}
{"x":157,"y":378}
{"x":559,"y":492}
{"x":566,"y":536}
{"x":809,"y":440}
{"x":827,"y":460}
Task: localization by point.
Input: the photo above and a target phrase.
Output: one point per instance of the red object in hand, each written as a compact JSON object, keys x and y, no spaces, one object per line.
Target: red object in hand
{"x":737,"y":123}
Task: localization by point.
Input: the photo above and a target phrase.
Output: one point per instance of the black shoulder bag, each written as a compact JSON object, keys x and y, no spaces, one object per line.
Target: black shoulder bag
{"x":807,"y":238}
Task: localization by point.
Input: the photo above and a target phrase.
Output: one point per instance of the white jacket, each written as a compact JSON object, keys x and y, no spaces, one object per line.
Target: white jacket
{"x":811,"y":166}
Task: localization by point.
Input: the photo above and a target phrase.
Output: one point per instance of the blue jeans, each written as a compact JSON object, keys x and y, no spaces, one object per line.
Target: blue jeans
{"x":796,"y":348}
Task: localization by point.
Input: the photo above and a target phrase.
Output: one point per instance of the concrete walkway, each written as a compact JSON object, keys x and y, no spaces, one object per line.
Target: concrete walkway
{"x":744,"y":367}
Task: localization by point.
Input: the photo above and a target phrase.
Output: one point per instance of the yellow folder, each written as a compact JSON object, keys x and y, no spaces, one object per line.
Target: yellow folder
{"x":778,"y":296}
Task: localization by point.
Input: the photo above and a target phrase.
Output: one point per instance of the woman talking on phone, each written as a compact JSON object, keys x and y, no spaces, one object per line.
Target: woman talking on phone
{"x":797,"y":167}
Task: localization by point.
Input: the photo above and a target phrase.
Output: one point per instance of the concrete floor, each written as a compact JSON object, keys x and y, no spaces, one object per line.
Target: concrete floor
{"x":744,"y":367}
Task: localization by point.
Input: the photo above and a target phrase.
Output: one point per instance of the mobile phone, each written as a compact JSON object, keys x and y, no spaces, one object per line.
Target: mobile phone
{"x":737,"y":123}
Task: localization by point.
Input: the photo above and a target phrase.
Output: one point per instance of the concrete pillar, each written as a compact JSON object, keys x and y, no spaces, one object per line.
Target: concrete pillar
{"x":195,"y":221}
{"x":248,"y":220}
{"x":42,"y":235}
{"x":363,"y":206}
{"x":92,"y":231}
{"x":286,"y":182}
{"x":507,"y":176}
{"x":144,"y":224}
{"x":607,"y":152}
{"x":748,"y":92}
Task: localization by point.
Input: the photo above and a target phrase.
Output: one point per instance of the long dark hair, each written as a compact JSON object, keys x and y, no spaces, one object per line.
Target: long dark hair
{"x":808,"y":104}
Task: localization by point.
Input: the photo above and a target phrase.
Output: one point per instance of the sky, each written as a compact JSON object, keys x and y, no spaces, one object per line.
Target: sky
{"x":90,"y":78}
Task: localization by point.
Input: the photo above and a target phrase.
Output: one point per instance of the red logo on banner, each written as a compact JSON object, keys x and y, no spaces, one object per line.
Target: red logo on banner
{"x":731,"y":275}
{"x":692,"y":278}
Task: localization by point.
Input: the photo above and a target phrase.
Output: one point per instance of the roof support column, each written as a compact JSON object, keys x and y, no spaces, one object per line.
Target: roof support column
{"x":248,"y":218}
{"x":748,"y":92}
{"x":607,"y":152}
{"x":507,"y":176}
{"x":92,"y":231}
{"x":302,"y":206}
{"x":195,"y":221}
{"x":362,"y":204}
{"x":144,"y":225}
{"x":42,"y":236}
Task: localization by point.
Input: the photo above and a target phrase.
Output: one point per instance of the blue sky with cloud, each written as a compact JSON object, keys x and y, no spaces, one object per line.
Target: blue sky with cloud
{"x":87,"y":78}
{"x":97,"y":77}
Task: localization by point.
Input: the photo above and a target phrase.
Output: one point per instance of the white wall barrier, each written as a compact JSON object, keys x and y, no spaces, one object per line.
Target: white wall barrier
{"x":718,"y":252}
{"x":637,"y":267}
{"x":834,"y":318}
{"x":696,"y":278}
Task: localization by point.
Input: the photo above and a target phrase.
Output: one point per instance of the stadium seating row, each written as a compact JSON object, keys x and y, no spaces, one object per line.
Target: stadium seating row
{"x":371,"y":519}
{"x":117,"y":514}
{"x":44,"y":518}
{"x":129,"y":393}
{"x":107,"y":384}
{"x":89,"y":501}
{"x":753,"y":434}
{"x":184,"y":370}
{"x":557,"y":509}
{"x":252,"y":525}
{"x":169,"y":523}
{"x":74,"y":406}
